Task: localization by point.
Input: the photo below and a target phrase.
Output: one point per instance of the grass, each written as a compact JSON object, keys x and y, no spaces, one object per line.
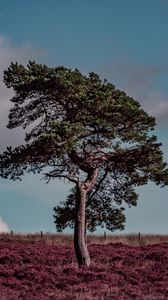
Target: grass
{"x":67,"y":239}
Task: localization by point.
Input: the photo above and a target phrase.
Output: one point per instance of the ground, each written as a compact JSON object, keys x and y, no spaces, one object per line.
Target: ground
{"x":36,"y":270}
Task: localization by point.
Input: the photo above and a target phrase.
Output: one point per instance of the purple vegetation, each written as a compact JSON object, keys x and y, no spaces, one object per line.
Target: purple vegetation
{"x":39,"y":271}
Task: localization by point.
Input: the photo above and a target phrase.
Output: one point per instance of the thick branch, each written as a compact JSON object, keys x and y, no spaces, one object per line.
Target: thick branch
{"x":99,"y":183}
{"x":79,"y":161}
{"x":90,"y":181}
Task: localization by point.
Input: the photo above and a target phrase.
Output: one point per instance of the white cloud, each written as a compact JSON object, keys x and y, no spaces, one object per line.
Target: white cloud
{"x":9,"y":52}
{"x":157,"y":105}
{"x":3,"y":226}
{"x":140,"y":82}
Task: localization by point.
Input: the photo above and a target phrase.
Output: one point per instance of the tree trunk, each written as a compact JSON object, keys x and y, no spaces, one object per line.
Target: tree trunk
{"x":81,"y":250}
{"x":80,"y":246}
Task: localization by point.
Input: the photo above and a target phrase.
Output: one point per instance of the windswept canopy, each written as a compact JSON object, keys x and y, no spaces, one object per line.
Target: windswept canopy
{"x":76,"y":123}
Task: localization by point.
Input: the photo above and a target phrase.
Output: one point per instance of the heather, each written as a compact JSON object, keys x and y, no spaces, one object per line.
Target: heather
{"x":39,"y":270}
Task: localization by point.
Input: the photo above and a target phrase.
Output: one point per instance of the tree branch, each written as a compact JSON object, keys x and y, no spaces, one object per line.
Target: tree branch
{"x":61,"y":176}
{"x":99,"y":183}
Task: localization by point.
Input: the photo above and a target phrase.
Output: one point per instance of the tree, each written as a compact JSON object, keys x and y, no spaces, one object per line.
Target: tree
{"x":82,"y":129}
{"x":100,"y":211}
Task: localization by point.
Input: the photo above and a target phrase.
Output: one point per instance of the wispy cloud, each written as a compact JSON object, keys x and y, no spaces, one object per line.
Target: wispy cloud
{"x":9,"y":52}
{"x":140,"y":82}
{"x":3,"y":226}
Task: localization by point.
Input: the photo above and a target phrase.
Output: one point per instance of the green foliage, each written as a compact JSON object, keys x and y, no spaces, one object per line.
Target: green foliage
{"x":101,"y":211}
{"x":74,"y":124}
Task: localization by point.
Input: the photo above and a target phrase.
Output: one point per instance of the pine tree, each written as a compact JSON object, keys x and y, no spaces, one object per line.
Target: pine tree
{"x":84,"y":130}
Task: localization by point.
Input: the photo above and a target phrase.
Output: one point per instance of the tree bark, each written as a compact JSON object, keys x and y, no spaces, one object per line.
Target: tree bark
{"x":80,"y":246}
{"x":81,"y":250}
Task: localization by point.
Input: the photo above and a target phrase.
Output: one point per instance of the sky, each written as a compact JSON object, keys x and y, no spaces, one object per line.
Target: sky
{"x":125,"y":42}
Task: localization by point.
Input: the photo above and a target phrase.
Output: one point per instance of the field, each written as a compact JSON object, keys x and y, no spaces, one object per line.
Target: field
{"x":42,"y":268}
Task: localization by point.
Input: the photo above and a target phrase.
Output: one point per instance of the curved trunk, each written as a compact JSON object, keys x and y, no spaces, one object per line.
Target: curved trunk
{"x":80,"y":246}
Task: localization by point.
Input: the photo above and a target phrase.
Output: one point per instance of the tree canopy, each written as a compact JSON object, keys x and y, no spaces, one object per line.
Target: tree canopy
{"x":76,"y":124}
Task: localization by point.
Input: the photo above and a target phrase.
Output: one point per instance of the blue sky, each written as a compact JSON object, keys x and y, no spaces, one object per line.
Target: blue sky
{"x":123,"y":41}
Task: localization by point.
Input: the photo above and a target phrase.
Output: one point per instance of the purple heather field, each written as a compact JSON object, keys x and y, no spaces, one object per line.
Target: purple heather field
{"x":36,"y":270}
